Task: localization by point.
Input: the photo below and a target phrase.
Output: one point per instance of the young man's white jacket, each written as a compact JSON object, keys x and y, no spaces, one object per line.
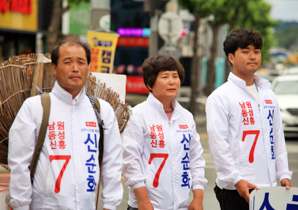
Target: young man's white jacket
{"x":76,"y":159}
{"x":143,"y":162}
{"x":236,"y":132}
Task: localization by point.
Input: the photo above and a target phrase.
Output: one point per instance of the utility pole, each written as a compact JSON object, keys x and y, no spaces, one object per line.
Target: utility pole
{"x":153,"y":6}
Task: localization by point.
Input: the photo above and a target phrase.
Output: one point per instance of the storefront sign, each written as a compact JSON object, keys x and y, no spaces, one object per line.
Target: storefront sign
{"x":103,"y":47}
{"x":18,"y":14}
{"x":135,"y":84}
{"x":138,"y":32}
{"x":18,"y":6}
{"x":133,"y":42}
{"x":79,"y":19}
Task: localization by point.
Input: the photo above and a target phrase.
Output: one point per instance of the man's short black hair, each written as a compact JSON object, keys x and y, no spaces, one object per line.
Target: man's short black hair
{"x":55,"y":52}
{"x":241,"y":38}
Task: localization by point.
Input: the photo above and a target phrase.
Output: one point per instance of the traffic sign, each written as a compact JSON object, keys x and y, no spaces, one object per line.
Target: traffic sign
{"x":169,"y":27}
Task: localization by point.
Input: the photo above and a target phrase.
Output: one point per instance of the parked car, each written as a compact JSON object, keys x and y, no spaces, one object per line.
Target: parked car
{"x":285,"y":88}
{"x":291,"y":70}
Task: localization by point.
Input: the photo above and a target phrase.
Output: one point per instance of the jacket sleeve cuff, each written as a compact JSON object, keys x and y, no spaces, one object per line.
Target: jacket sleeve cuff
{"x":237,"y":180}
{"x":106,"y":206}
{"x":138,"y":185}
{"x":285,"y":176}
{"x":198,"y":187}
{"x":21,"y":208}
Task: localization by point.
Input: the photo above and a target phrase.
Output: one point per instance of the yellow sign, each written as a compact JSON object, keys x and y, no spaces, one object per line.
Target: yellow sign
{"x":14,"y":15}
{"x":103,"y":48}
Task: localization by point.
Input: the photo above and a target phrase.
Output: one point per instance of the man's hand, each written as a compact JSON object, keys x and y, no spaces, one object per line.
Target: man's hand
{"x":286,"y":183}
{"x":243,"y":189}
{"x":143,"y":200}
{"x":197,"y":202}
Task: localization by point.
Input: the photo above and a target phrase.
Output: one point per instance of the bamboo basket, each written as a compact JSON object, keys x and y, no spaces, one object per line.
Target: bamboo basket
{"x":19,"y":76}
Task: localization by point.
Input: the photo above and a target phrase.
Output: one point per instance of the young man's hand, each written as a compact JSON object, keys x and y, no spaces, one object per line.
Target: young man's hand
{"x":286,"y":183}
{"x":143,"y":200}
{"x":197,"y":202}
{"x":243,"y":189}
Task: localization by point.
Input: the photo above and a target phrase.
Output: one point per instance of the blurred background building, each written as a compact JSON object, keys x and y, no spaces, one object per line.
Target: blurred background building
{"x":29,"y":26}
{"x":23,"y":25}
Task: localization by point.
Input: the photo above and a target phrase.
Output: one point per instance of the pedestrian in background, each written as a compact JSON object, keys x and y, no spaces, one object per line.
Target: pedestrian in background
{"x":162,"y":152}
{"x":68,"y":170}
{"x":244,"y":125}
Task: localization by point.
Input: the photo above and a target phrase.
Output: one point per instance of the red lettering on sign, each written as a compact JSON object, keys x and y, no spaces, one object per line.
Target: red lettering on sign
{"x":268,"y":101}
{"x":4,"y":6}
{"x":183,"y":126}
{"x":18,"y":6}
{"x":91,"y":124}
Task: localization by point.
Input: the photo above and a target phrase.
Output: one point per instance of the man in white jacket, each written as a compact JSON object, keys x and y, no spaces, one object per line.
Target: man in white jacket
{"x":244,"y":125}
{"x":67,"y":172}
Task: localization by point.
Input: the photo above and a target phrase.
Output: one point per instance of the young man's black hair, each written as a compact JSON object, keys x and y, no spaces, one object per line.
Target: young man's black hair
{"x":241,"y":38}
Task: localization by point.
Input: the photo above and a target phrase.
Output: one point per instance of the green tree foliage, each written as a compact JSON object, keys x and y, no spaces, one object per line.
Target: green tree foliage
{"x":200,"y":9}
{"x":256,"y":15}
{"x":72,"y":3}
{"x":225,"y":12}
{"x":54,"y":27}
{"x":286,"y":36}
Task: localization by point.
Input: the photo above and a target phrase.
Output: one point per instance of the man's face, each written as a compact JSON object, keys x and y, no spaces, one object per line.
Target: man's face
{"x":72,"y":68}
{"x":246,"y":61}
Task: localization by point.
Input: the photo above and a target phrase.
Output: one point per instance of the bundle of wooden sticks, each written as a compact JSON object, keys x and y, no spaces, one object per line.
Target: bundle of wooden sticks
{"x":19,"y":76}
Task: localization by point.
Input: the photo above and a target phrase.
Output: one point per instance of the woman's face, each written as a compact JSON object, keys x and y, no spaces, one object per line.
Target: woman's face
{"x":166,"y":86}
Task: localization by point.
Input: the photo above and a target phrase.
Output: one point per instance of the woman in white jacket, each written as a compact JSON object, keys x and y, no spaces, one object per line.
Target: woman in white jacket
{"x":162,"y":152}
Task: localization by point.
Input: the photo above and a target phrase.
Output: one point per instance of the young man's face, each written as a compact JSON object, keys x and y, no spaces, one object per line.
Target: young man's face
{"x":72,"y":68}
{"x":246,"y":60}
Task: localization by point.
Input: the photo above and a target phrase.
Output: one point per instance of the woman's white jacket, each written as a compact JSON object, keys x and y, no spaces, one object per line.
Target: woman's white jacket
{"x":162,"y":155}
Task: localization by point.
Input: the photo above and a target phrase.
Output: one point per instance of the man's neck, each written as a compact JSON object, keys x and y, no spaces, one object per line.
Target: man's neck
{"x":73,"y":92}
{"x":248,"y":78}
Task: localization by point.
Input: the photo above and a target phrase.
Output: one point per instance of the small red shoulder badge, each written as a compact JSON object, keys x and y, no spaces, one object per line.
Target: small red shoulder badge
{"x":91,"y":124}
{"x":268,"y":101}
{"x":183,"y":126}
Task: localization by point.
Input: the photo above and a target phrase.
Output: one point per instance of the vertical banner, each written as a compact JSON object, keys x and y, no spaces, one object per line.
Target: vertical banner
{"x":103,"y":48}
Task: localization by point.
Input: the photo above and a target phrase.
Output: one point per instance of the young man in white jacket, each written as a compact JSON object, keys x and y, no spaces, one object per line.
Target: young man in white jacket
{"x":162,"y":153}
{"x":244,"y":125}
{"x":67,"y":172}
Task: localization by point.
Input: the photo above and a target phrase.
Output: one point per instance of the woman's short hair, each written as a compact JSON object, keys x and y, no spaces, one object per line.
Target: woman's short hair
{"x":153,"y":65}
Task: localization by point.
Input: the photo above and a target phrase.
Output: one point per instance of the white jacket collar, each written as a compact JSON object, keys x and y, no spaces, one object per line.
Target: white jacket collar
{"x":65,"y":96}
{"x":159,"y":106}
{"x":260,"y":82}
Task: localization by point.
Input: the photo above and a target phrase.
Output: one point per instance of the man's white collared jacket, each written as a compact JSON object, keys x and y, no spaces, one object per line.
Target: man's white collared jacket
{"x":162,"y":155}
{"x":67,"y":172}
{"x":238,"y":126}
